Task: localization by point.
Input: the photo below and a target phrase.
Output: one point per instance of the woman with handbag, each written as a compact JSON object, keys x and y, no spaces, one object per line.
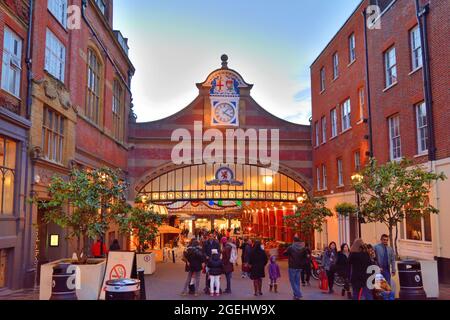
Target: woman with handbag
{"x":329,"y":264}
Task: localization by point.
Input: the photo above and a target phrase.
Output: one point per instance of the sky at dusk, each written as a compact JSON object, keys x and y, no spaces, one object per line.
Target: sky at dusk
{"x":175,"y":44}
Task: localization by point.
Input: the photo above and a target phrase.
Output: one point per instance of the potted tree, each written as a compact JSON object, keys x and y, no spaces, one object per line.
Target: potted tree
{"x":85,"y":205}
{"x":142,"y":223}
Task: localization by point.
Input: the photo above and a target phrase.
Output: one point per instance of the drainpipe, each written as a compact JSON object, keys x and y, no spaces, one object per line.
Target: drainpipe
{"x":83,"y":13}
{"x":422,"y":13}
{"x":28,"y":60}
{"x":369,"y":100}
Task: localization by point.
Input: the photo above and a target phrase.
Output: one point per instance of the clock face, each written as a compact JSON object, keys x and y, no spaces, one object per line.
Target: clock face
{"x":224,"y":112}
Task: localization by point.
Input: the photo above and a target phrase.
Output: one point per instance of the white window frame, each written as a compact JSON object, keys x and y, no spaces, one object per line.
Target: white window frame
{"x":395,"y":142}
{"x":357,"y":156}
{"x":352,"y":47}
{"x":324,"y":129}
{"x":390,"y":58}
{"x":334,"y":128}
{"x":416,"y":48}
{"x":12,"y":62}
{"x":335,"y":66}
{"x":340,"y":170}
{"x":318,"y":178}
{"x":55,"y":56}
{"x":58,"y":9}
{"x":346,"y":110}
{"x":317,"y":130}
{"x":322,"y":79}
{"x":362,"y":103}
{"x":324,"y":177}
{"x":404,"y":228}
{"x":422,"y":128}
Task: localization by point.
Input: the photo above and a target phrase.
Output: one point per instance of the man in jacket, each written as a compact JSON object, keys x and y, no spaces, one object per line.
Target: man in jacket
{"x":386,"y":258}
{"x":297,"y":260}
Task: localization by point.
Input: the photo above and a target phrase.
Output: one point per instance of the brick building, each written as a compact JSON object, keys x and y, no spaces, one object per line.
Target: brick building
{"x":77,"y":116}
{"x":403,"y":124}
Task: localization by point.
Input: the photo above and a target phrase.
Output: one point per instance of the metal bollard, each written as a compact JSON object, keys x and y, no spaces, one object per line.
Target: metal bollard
{"x":173,"y":255}
{"x":141,"y":278}
{"x":63,"y":284}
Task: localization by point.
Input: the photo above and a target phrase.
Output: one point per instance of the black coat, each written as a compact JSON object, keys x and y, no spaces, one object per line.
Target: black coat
{"x":215,"y":266}
{"x":358,"y":263}
{"x":258,"y":261}
{"x":195,"y":258}
{"x":209,"y":246}
{"x":342,"y":265}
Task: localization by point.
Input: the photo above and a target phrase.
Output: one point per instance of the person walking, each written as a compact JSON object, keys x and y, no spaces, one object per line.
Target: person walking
{"x":228,"y":268}
{"x":359,"y":261}
{"x":343,"y":269}
{"x":386,"y":258}
{"x":274,"y":274}
{"x":297,"y":260}
{"x":258,"y":261}
{"x":306,"y":270}
{"x":215,"y":267}
{"x":194,"y":259}
{"x":329,"y":263}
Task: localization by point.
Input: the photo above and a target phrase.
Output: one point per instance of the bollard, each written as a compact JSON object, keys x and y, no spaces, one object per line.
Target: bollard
{"x":64,"y":282}
{"x":122,"y":289}
{"x":173,"y":255}
{"x":141,"y":277}
{"x":411,"y":283}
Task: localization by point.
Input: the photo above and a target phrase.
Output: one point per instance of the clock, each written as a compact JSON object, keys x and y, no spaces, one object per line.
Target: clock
{"x":224,"y":113}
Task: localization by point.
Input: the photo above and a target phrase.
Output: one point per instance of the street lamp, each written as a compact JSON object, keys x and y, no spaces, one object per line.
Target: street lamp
{"x":358,"y":178}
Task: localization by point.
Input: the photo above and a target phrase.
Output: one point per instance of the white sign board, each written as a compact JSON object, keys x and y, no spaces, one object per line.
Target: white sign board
{"x":119,"y":266}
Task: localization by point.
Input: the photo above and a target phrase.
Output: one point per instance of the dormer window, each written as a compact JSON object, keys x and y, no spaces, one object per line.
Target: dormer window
{"x":101,"y":5}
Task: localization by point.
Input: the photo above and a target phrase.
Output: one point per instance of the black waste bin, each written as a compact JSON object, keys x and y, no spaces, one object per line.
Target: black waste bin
{"x":411,"y":283}
{"x":64,"y":282}
{"x":123,"y":289}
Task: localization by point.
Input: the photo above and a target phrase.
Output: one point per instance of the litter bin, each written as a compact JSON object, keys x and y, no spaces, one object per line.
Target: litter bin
{"x":123,"y":289}
{"x":411,"y":283}
{"x":63,"y":282}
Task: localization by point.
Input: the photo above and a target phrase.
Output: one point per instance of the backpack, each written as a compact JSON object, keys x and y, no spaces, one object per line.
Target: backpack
{"x":234,"y":255}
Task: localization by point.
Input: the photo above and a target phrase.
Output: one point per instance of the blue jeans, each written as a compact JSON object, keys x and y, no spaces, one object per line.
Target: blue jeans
{"x":294,"y":278}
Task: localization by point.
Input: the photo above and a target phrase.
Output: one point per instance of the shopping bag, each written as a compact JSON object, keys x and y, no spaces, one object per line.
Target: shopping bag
{"x":323,"y":281}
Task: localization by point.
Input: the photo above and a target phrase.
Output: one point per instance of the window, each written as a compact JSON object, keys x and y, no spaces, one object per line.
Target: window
{"x":362,"y":102}
{"x":318,"y":179}
{"x":324,"y":177}
{"x":12,"y":62}
{"x":357,"y":161}
{"x":316,"y":126}
{"x":417,"y":228}
{"x":59,"y":10}
{"x":422,"y":128}
{"x":3,"y":265}
{"x":416,"y":48}
{"x":118,"y":110}
{"x":8,"y":150}
{"x":101,"y":5}
{"x":394,"y":138}
{"x":334,"y":130}
{"x":93,"y":87}
{"x":322,"y":79}
{"x":53,"y":136}
{"x":340,"y":173}
{"x":391,"y":67}
{"x":346,"y":111}
{"x":324,"y":129}
{"x":55,"y":56}
{"x":335,"y":66}
{"x":352,"y":48}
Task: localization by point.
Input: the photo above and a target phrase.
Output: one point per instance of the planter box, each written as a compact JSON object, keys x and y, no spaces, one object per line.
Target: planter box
{"x":88,"y":284}
{"x":146,"y":261}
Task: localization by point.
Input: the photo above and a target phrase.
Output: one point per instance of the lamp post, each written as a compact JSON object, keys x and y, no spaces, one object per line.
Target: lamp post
{"x":357,"y":178}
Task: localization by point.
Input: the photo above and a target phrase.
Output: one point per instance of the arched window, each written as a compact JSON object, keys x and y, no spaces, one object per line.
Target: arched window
{"x":93,"y":101}
{"x":118,"y":111}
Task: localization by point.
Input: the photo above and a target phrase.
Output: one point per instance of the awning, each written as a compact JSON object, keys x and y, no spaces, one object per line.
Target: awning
{"x":165,"y":229}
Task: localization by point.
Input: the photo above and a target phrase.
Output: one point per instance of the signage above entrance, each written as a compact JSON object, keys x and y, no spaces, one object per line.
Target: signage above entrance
{"x":224,"y":176}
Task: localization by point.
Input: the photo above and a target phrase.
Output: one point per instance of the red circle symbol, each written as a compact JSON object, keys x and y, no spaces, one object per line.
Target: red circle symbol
{"x":147,"y":258}
{"x":118,"y":272}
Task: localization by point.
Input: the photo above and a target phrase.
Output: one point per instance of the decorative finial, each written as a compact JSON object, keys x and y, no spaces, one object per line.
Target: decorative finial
{"x":224,"y":61}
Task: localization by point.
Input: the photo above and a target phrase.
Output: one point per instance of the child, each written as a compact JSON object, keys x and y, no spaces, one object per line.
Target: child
{"x":382,"y":288}
{"x":274,"y":274}
{"x":215,"y":266}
